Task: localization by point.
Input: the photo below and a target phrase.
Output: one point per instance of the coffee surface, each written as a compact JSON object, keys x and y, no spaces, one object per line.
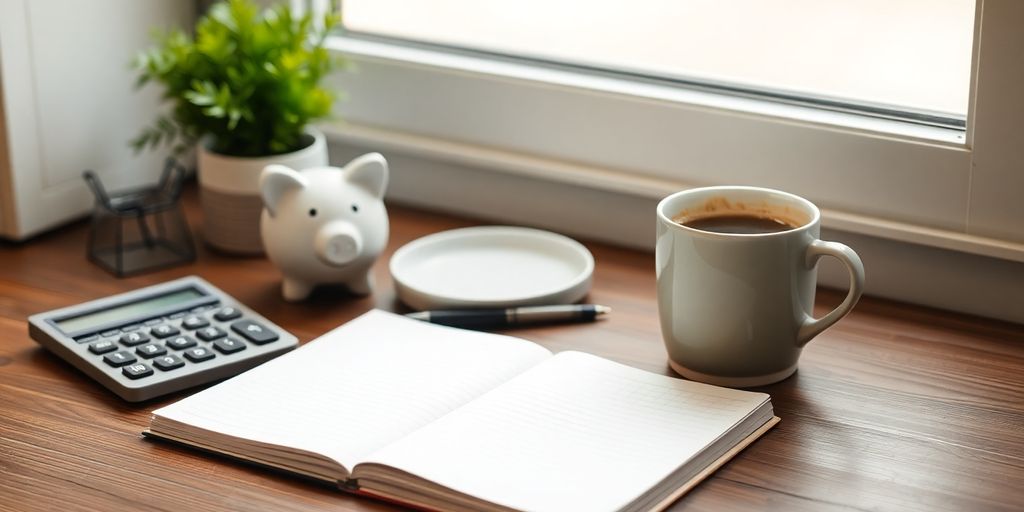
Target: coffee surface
{"x":737,"y":224}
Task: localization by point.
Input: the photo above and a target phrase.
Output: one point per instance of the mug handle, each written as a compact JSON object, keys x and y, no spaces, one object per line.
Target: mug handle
{"x":818,"y":248}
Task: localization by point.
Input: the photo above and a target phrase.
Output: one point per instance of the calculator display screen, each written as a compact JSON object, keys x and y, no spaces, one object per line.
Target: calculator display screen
{"x":130,"y":311}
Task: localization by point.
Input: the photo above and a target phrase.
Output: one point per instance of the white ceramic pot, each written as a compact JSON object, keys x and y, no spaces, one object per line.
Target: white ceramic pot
{"x":229,"y":192}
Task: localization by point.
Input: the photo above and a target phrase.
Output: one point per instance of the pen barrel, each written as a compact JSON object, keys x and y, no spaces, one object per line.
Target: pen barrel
{"x":470,"y":319}
{"x":501,"y":318}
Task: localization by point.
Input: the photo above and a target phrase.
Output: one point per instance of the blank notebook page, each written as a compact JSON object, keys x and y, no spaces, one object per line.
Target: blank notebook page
{"x":577,"y":432}
{"x":358,"y":387}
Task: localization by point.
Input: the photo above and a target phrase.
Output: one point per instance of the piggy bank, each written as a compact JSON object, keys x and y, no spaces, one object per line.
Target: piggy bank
{"x":325,"y":225}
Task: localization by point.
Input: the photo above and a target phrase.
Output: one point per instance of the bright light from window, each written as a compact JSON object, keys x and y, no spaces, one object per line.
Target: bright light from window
{"x":912,"y":55}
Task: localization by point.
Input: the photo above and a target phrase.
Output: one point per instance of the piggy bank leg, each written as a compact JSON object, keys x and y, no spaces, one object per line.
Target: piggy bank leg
{"x":294,"y":290}
{"x":361,"y":285}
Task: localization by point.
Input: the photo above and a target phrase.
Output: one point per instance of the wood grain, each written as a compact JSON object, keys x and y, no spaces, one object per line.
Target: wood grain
{"x":895,"y":408}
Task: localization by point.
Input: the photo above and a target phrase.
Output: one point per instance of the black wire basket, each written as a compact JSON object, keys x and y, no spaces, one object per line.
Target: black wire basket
{"x":140,"y":230}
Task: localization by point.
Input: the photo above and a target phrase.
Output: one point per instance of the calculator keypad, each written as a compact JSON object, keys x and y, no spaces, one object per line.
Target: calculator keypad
{"x":168,"y":349}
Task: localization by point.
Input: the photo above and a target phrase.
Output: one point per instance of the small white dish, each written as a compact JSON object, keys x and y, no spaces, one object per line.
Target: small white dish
{"x":491,"y":267}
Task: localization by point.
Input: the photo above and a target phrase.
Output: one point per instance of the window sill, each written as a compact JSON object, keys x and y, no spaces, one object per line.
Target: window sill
{"x":621,"y":182}
{"x":905,"y":262}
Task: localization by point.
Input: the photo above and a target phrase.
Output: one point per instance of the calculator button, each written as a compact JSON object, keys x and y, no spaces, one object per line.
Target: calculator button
{"x":134,"y":338}
{"x":253,"y":331}
{"x":107,"y":334}
{"x":102,"y":347}
{"x":211,"y":333}
{"x":164,"y":331}
{"x":168,"y":362}
{"x":154,"y":321}
{"x":228,"y":345}
{"x":181,"y":342}
{"x":151,"y":350}
{"x":198,"y":354}
{"x":175,"y":316}
{"x":132,"y":327}
{"x":228,"y":313}
{"x":119,"y":358}
{"x":194,"y":322}
{"x":137,"y":371}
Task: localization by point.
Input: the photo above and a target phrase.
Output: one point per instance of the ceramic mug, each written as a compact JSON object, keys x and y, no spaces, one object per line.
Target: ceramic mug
{"x":736,"y":309}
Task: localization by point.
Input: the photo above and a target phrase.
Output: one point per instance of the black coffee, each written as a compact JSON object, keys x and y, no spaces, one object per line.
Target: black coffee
{"x":738,"y":223}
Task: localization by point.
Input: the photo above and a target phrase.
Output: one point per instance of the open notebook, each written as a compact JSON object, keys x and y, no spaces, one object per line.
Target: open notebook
{"x":449,"y":419}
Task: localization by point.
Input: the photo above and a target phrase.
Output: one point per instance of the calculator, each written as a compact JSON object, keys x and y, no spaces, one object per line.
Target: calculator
{"x":160,"y":339}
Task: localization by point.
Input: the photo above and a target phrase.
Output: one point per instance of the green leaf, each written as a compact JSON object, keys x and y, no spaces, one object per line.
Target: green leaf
{"x":234,"y":115}
{"x":214,"y":111}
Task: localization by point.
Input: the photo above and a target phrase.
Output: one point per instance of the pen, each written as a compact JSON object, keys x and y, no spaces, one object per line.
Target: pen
{"x":499,"y":318}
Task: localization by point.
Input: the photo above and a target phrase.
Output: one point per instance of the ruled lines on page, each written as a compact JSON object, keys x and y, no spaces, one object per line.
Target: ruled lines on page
{"x":358,"y":387}
{"x":577,"y":432}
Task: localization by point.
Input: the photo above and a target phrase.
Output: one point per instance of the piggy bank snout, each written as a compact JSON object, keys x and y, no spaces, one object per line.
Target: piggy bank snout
{"x":338,"y":243}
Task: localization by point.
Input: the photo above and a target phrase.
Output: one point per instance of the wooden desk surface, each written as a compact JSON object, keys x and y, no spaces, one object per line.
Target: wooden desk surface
{"x":895,"y":408}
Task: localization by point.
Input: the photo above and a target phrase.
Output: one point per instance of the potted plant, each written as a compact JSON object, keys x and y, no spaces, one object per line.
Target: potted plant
{"x":244,"y":89}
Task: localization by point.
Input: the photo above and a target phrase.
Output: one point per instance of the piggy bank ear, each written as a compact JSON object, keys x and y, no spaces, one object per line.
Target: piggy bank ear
{"x":275,"y":181}
{"x":369,"y":171}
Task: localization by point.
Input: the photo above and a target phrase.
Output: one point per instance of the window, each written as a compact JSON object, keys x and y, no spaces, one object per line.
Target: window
{"x":942,"y":183}
{"x":910,"y":56}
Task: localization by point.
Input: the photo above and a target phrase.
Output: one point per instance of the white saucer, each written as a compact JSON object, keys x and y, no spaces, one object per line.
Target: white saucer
{"x":491,"y":267}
